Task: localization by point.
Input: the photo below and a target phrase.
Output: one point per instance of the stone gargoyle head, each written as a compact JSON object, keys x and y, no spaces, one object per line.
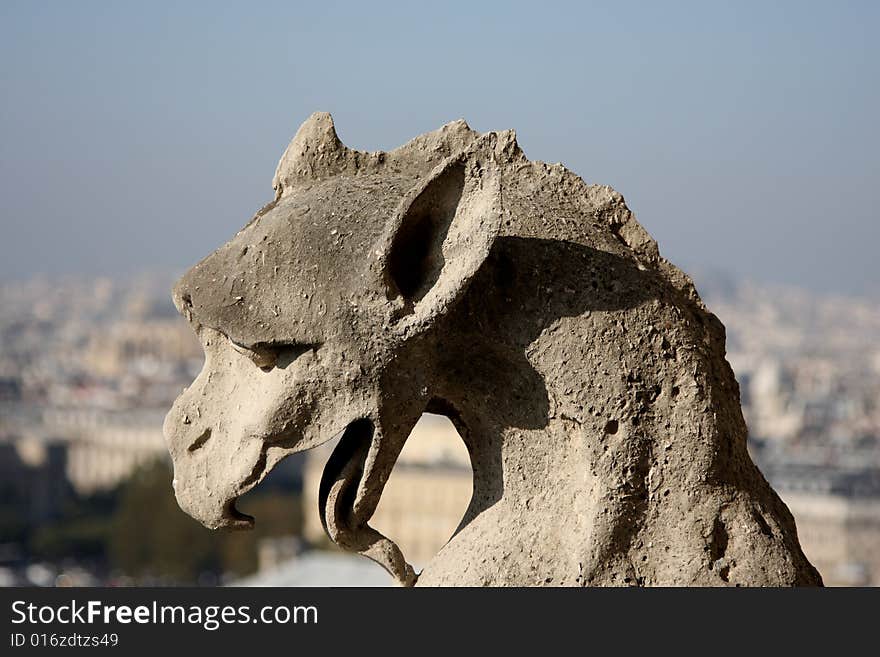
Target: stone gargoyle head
{"x":454,"y":275}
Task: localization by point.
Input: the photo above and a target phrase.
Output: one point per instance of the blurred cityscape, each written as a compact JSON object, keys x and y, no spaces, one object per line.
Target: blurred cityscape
{"x":89,"y":367}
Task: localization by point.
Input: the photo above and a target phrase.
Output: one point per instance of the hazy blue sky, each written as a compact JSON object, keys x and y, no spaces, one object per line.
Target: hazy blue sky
{"x":744,"y":135}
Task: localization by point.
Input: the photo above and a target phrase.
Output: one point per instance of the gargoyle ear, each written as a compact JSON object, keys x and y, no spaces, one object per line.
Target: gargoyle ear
{"x":441,"y":235}
{"x":315,"y":153}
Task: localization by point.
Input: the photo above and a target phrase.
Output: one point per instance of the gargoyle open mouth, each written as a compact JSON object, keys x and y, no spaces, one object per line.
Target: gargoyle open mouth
{"x":234,"y":518}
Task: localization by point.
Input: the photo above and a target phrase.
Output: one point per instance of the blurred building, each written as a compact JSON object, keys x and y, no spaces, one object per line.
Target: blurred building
{"x":104,"y":449}
{"x":143,"y":344}
{"x":33,"y":477}
{"x":838,"y":520}
{"x":85,"y":450}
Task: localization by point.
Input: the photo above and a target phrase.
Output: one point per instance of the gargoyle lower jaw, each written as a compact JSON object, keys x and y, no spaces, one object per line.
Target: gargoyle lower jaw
{"x":211,"y":512}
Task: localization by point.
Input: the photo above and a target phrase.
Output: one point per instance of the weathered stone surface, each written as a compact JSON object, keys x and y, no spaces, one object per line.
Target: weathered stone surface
{"x":454,"y":275}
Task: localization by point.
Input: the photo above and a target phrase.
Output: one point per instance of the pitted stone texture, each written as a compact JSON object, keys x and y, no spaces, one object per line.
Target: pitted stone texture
{"x":454,"y":275}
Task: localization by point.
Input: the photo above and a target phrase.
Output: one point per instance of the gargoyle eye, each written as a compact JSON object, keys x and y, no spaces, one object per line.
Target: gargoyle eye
{"x":267,"y":356}
{"x":262,"y":356}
